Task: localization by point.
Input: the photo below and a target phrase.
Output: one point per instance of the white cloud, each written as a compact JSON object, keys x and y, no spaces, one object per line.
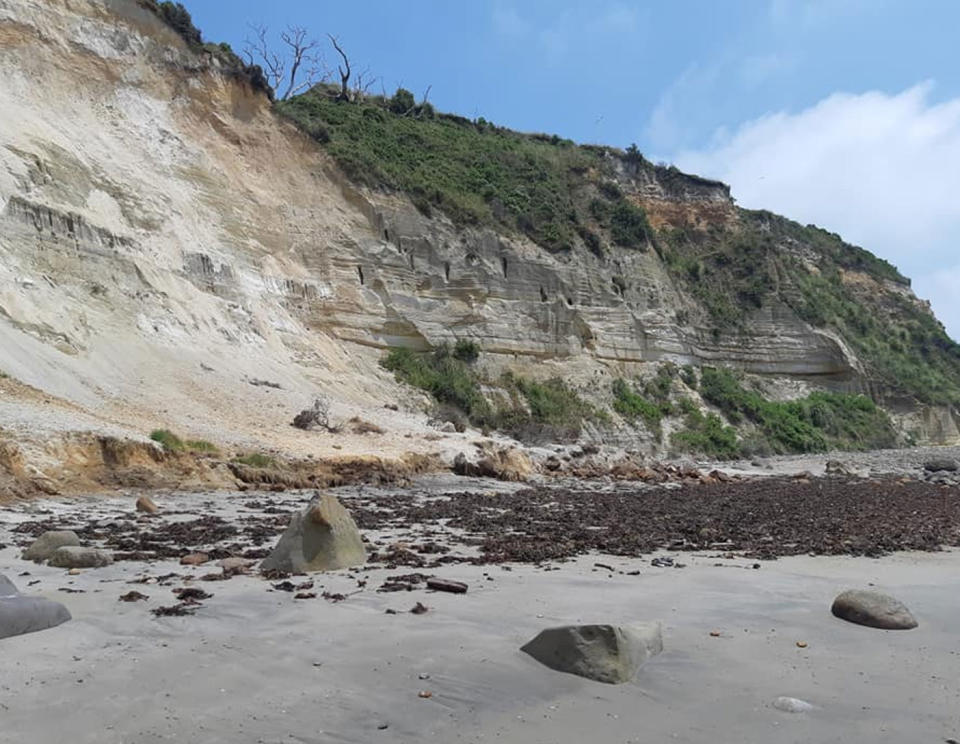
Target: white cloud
{"x":882,"y":170}
{"x":507,"y":21}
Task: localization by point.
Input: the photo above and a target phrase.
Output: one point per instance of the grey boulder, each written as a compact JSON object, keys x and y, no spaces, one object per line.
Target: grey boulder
{"x":605,"y":653}
{"x":19,"y":615}
{"x":941,"y":465}
{"x":76,"y":556}
{"x":45,"y":545}
{"x":323,"y":537}
{"x":873,"y":609}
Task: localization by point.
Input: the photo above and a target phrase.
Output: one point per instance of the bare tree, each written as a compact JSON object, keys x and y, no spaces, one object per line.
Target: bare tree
{"x":306,"y":64}
{"x":344,"y":74}
{"x":363,"y":84}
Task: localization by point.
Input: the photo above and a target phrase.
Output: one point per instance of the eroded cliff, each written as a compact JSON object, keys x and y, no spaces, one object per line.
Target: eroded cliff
{"x":166,"y":239}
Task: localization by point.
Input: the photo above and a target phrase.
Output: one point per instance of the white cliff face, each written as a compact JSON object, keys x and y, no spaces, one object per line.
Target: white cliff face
{"x":155,"y":216}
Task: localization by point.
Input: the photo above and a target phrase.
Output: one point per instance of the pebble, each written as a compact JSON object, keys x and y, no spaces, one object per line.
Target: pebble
{"x":425,"y":694}
{"x":792,"y":705}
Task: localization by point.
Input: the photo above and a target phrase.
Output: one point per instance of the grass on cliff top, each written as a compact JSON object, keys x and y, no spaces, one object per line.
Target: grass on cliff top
{"x":543,"y":186}
{"x":536,"y":412}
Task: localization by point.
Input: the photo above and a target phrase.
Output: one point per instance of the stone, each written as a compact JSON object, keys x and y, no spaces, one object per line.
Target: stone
{"x":447,"y":427}
{"x":235,"y":564}
{"x":76,"y":556}
{"x":44,"y":546}
{"x":323,"y":537}
{"x":605,"y":653}
{"x":835,"y":467}
{"x":194,"y":559}
{"x":145,"y":504}
{"x":792,"y":705}
{"x":873,"y":609}
{"x":502,"y":463}
{"x":941,"y":464}
{"x":19,"y":614}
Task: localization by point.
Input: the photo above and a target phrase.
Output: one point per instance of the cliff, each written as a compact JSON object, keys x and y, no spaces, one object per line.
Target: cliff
{"x":168,"y":239}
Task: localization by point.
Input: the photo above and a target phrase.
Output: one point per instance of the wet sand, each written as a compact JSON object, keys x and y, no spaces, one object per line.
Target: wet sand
{"x":256,"y":665}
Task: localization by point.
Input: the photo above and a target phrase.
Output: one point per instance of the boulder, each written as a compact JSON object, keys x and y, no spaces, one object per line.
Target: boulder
{"x":76,"y":556}
{"x":502,"y":463}
{"x":145,"y":504}
{"x":873,"y":609}
{"x":941,"y":465}
{"x":324,"y":537}
{"x":20,"y":614}
{"x":605,"y":653}
{"x":44,"y":546}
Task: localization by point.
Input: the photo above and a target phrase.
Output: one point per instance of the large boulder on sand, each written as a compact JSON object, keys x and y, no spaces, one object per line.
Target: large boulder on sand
{"x":873,"y":609}
{"x":20,"y":614}
{"x":45,"y":545}
{"x":322,"y":538}
{"x":605,"y":653}
{"x":76,"y":556}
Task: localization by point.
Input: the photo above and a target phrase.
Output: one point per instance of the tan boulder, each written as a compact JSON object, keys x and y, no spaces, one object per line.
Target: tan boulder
{"x":145,"y":504}
{"x":323,"y":537}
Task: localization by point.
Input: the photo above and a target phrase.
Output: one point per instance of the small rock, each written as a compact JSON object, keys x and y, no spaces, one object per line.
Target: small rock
{"x":44,"y":546}
{"x":605,"y":653}
{"x":446,"y":585}
{"x":938,"y":465}
{"x":133,"y":596}
{"x":145,"y":504}
{"x":423,"y":675}
{"x":792,"y":705}
{"x":447,"y":427}
{"x":425,"y":694}
{"x":194,"y":559}
{"x":75,"y":572}
{"x":419,"y":608}
{"x":835,"y":467}
{"x":714,"y":633}
{"x":76,"y":556}
{"x":235,"y":564}
{"x":873,"y":609}
{"x":801,"y":644}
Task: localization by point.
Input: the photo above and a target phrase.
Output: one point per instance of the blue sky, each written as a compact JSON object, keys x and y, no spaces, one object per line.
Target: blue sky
{"x":845,"y":113}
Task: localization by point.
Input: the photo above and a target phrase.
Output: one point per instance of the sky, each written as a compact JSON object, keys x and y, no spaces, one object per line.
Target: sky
{"x":840,"y":113}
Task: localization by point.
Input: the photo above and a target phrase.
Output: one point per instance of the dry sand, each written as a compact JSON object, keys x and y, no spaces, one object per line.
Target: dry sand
{"x":255,"y":665}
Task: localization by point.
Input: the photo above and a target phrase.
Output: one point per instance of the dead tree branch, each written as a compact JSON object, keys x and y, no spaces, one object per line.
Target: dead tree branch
{"x":344,"y":74}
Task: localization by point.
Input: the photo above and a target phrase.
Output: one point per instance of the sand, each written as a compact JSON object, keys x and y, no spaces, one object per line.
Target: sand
{"x":255,"y":665}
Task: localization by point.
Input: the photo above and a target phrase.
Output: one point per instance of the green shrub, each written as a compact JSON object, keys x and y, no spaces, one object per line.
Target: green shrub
{"x":466,"y":351}
{"x":402,"y":101}
{"x":538,"y":411}
{"x":167,"y":439}
{"x":448,"y":379}
{"x":172,"y":443}
{"x":815,"y":423}
{"x":632,"y":406}
{"x":707,"y":435}
{"x":256,"y":460}
{"x":474,"y":172}
{"x":201,"y":445}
